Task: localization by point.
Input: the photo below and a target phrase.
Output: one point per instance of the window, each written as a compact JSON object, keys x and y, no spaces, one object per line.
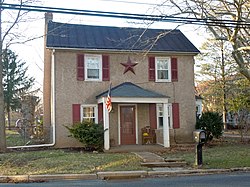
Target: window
{"x":160,"y":116}
{"x":162,"y":69}
{"x":89,"y":113}
{"x":93,"y":67}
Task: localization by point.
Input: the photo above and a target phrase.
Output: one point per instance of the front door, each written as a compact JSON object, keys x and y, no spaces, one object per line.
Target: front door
{"x":127,"y":125}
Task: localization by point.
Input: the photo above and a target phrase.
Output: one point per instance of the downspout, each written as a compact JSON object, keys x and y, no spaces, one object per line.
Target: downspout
{"x":53,"y":111}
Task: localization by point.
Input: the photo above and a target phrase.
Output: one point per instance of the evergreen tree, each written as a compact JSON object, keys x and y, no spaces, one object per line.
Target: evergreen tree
{"x":15,"y":81}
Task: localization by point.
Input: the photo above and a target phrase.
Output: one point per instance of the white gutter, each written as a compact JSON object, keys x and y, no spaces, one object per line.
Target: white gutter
{"x":53,"y":113}
{"x":124,"y":51}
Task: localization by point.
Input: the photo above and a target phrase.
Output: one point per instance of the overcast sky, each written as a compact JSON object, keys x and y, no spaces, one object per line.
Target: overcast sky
{"x":32,"y":52}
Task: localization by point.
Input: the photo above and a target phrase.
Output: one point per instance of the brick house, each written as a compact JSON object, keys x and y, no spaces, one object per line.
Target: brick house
{"x":152,"y":75}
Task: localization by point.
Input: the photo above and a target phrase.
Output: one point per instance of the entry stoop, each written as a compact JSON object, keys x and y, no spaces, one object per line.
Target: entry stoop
{"x":164,"y":164}
{"x":153,"y":160}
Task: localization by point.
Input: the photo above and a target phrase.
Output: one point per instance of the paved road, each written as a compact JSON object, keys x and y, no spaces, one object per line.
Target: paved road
{"x":219,"y":180}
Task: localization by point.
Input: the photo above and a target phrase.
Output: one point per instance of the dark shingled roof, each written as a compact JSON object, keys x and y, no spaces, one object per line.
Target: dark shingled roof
{"x":62,"y":35}
{"x":128,"y":89}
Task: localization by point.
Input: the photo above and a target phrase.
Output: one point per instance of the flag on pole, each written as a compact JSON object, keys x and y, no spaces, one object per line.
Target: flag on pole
{"x":108,"y":101}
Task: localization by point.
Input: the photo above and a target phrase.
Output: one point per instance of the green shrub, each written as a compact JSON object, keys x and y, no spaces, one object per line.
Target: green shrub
{"x":212,"y":123}
{"x":88,"y":133}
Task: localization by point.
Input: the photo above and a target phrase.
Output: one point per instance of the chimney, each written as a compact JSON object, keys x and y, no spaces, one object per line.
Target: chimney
{"x":47,"y":81}
{"x":48,"y":17}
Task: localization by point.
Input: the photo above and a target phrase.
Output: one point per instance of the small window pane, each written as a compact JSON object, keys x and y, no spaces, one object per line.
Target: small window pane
{"x":162,"y":74}
{"x":162,"y":64}
{"x":93,"y":64}
{"x":160,"y":122}
{"x":93,"y":73}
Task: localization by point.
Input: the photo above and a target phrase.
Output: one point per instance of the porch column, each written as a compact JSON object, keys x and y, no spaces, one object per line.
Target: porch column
{"x":166,"y":141}
{"x":106,"y":126}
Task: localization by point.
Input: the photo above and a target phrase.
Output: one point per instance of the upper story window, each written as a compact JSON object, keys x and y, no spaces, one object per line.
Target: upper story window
{"x":162,"y":69}
{"x":89,"y":113}
{"x":93,"y":67}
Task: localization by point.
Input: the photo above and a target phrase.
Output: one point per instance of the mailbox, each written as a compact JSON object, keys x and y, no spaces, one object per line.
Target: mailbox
{"x":199,"y":136}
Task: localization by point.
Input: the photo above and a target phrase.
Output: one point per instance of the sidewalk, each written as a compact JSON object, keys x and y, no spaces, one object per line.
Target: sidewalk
{"x":117,"y":175}
{"x":147,"y":157}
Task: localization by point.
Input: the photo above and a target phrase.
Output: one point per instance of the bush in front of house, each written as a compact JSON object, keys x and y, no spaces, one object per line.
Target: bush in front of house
{"x":88,"y":133}
{"x":212,"y":123}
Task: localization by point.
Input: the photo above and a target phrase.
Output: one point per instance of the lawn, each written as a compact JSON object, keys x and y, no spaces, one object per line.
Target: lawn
{"x":62,"y":161}
{"x":218,"y":155}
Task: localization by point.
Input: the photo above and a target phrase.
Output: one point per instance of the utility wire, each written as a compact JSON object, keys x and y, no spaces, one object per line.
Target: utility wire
{"x":144,"y":17}
{"x":134,"y":2}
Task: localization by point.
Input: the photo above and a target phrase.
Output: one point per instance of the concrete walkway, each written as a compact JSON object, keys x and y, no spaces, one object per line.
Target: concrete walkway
{"x":155,"y":161}
{"x":149,"y":157}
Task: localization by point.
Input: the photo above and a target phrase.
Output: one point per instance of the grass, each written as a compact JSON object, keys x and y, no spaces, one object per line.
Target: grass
{"x":60,"y":162}
{"x":13,"y":138}
{"x":217,"y":155}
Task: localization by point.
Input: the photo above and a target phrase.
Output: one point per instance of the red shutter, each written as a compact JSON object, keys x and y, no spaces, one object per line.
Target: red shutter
{"x":80,"y":67}
{"x":174,"y":69}
{"x":76,"y":113}
{"x":100,"y":113}
{"x":105,"y":68}
{"x":152,"y":116}
{"x":151,"y":68}
{"x":176,"y":115}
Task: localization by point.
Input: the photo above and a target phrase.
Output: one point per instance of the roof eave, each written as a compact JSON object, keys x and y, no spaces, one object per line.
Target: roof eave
{"x":193,"y":53}
{"x":136,"y":99}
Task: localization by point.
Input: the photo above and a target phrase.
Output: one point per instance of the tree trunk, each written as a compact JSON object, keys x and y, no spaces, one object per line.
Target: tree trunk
{"x":2,"y":116}
{"x":8,"y":113}
{"x":224,"y":110}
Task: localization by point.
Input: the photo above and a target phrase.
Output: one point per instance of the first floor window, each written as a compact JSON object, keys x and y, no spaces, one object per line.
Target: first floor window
{"x":160,"y":116}
{"x":93,"y":67}
{"x":89,"y":113}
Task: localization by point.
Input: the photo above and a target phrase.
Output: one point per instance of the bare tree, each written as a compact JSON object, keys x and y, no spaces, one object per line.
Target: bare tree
{"x":226,"y":20}
{"x":2,"y":116}
{"x":6,"y":39}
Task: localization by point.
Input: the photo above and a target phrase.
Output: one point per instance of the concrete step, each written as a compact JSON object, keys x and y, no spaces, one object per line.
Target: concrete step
{"x":164,"y":164}
{"x":149,"y":157}
{"x":174,"y":160}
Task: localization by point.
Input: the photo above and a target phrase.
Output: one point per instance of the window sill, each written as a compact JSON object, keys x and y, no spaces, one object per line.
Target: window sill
{"x":163,"y":81}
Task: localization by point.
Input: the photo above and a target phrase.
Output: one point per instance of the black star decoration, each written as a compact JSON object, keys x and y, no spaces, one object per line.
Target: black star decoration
{"x":129,"y":66}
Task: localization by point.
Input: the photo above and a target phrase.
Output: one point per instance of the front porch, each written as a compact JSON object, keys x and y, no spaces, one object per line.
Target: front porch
{"x":137,"y":148}
{"x":133,"y":109}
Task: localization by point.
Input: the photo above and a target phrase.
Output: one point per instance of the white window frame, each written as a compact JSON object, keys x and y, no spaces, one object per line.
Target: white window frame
{"x":157,"y":60}
{"x":95,"y":112}
{"x":170,"y":115}
{"x":86,"y":58}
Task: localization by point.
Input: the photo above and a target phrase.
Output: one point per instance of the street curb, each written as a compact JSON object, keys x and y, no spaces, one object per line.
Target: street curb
{"x":14,"y":179}
{"x":62,"y":177}
{"x":116,"y":175}
{"x":187,"y":172}
{"x":121,"y":174}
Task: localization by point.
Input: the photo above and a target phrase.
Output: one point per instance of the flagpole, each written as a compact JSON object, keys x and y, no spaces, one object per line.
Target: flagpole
{"x":107,"y":108}
{"x":106,"y":125}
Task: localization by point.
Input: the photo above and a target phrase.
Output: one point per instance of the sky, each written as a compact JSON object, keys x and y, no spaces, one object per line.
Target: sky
{"x":32,"y":52}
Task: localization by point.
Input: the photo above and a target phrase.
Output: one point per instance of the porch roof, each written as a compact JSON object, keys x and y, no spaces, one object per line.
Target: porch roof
{"x":130,"y":92}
